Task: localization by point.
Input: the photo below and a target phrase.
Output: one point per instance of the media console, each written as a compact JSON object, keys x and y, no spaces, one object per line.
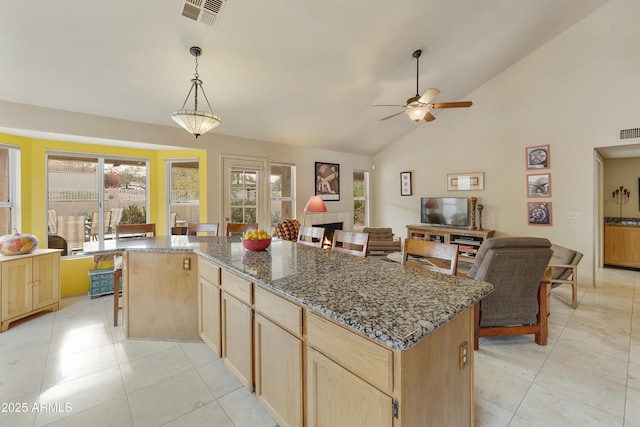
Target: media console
{"x":468,"y":241}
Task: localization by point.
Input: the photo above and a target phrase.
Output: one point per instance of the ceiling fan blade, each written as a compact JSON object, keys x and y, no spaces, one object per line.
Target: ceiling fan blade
{"x":452,"y":104}
{"x":393,"y":115}
{"x":428,"y":95}
{"x":388,"y":105}
{"x":429,"y":117}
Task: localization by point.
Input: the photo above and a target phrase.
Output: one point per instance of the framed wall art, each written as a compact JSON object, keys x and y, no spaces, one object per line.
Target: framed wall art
{"x":465,"y":181}
{"x":539,"y":185}
{"x":405,"y":184}
{"x":538,"y":157}
{"x":539,"y":213}
{"x":328,"y":181}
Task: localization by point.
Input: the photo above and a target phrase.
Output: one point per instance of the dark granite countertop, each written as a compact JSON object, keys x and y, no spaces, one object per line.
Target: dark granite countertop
{"x":627,"y":222}
{"x":392,"y":304}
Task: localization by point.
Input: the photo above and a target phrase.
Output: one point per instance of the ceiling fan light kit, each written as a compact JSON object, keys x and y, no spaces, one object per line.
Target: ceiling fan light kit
{"x":419,"y":106}
{"x":193,"y":121}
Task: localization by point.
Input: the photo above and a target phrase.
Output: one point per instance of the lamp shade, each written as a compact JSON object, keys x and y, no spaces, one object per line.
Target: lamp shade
{"x":195,"y":122}
{"x":417,"y":113}
{"x":315,"y":204}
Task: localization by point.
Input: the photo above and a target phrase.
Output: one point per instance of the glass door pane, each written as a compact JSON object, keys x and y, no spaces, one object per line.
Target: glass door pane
{"x":72,"y":198}
{"x":243,"y":196}
{"x":184,"y":199}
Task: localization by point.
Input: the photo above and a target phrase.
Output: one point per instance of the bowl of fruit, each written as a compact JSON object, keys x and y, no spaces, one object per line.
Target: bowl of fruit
{"x":256,"y":240}
{"x":18,"y":244}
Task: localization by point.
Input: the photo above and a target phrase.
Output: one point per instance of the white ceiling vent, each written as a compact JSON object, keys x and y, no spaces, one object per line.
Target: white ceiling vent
{"x":205,"y":11}
{"x":625,"y":134}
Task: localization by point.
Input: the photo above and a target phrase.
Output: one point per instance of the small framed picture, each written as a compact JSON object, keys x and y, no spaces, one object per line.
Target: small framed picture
{"x":539,"y":213}
{"x":405,"y":184}
{"x":538,"y":157}
{"x":539,"y":185}
{"x":465,"y":181}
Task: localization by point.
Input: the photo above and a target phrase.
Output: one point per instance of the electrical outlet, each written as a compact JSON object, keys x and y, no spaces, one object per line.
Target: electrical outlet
{"x":574,"y":215}
{"x":463,"y":355}
{"x":186,"y":263}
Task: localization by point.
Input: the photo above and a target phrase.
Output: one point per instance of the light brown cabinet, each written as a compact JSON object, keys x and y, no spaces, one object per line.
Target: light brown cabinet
{"x":278,"y":371}
{"x":29,"y":284}
{"x":622,"y":246}
{"x":307,"y":370}
{"x":237,"y":337}
{"x":209,"y":298}
{"x":237,"y":327}
{"x":338,"y":398}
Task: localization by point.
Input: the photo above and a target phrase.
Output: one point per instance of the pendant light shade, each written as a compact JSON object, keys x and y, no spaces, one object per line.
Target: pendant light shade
{"x":193,"y":121}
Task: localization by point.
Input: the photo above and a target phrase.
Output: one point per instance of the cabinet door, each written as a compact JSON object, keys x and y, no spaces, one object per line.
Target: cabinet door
{"x":337,"y":398}
{"x":17,"y":285}
{"x":278,"y":370}
{"x":46,"y":280}
{"x":209,"y":314}
{"x":619,"y":246}
{"x":237,"y":337}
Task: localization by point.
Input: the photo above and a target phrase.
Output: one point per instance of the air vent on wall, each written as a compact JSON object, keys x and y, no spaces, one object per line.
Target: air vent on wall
{"x":205,"y":11}
{"x":625,"y":134}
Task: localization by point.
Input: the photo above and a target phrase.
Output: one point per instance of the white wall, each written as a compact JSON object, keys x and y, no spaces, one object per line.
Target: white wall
{"x":573,"y":94}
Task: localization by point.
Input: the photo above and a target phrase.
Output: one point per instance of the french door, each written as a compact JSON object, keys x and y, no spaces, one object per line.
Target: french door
{"x":245,"y":195}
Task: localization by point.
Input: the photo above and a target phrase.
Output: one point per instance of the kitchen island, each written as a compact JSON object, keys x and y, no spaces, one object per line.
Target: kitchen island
{"x":329,"y":339}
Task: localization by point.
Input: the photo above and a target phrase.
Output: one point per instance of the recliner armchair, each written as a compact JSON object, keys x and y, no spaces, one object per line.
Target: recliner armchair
{"x":564,"y":270}
{"x":518,"y":269}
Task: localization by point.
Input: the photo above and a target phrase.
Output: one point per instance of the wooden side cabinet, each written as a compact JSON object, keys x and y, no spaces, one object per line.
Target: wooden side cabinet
{"x":29,"y":284}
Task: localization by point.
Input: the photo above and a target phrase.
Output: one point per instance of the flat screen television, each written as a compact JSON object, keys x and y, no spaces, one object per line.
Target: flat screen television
{"x":445,"y":211}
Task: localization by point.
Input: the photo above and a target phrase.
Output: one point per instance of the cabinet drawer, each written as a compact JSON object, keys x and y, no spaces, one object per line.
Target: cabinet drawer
{"x":279,"y":310}
{"x":371,"y":362}
{"x":237,"y":286}
{"x":209,"y":271}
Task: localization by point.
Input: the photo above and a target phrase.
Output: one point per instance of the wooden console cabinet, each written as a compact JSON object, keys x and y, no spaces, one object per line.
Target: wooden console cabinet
{"x":468,"y":241}
{"x":29,"y":284}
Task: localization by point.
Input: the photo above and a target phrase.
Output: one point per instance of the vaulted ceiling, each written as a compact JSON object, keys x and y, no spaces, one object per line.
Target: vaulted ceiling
{"x":299,"y":72}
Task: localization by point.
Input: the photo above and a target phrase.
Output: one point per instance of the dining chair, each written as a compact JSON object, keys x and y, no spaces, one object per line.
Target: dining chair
{"x":240,"y":227}
{"x":210,"y":229}
{"x":350,"y":242}
{"x":136,"y":230}
{"x":311,"y":236}
{"x":433,"y":256}
{"x":94,"y":228}
{"x":128,"y":229}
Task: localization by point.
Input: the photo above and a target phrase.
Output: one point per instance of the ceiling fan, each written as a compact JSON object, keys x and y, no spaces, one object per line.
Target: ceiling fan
{"x":419,"y":107}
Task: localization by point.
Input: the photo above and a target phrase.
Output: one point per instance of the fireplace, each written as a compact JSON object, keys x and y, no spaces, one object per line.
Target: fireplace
{"x":329,"y":230}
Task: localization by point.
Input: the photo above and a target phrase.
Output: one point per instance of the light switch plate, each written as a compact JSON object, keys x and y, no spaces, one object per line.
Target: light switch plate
{"x":574,"y":215}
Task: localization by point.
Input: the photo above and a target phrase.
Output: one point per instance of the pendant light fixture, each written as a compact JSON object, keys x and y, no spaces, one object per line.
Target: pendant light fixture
{"x":193,"y":121}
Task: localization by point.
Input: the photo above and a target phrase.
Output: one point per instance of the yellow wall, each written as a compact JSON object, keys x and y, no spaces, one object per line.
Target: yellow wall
{"x":33,"y":206}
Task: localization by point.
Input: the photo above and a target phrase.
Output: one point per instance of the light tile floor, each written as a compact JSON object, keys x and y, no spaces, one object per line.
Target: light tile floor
{"x":86,"y":373}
